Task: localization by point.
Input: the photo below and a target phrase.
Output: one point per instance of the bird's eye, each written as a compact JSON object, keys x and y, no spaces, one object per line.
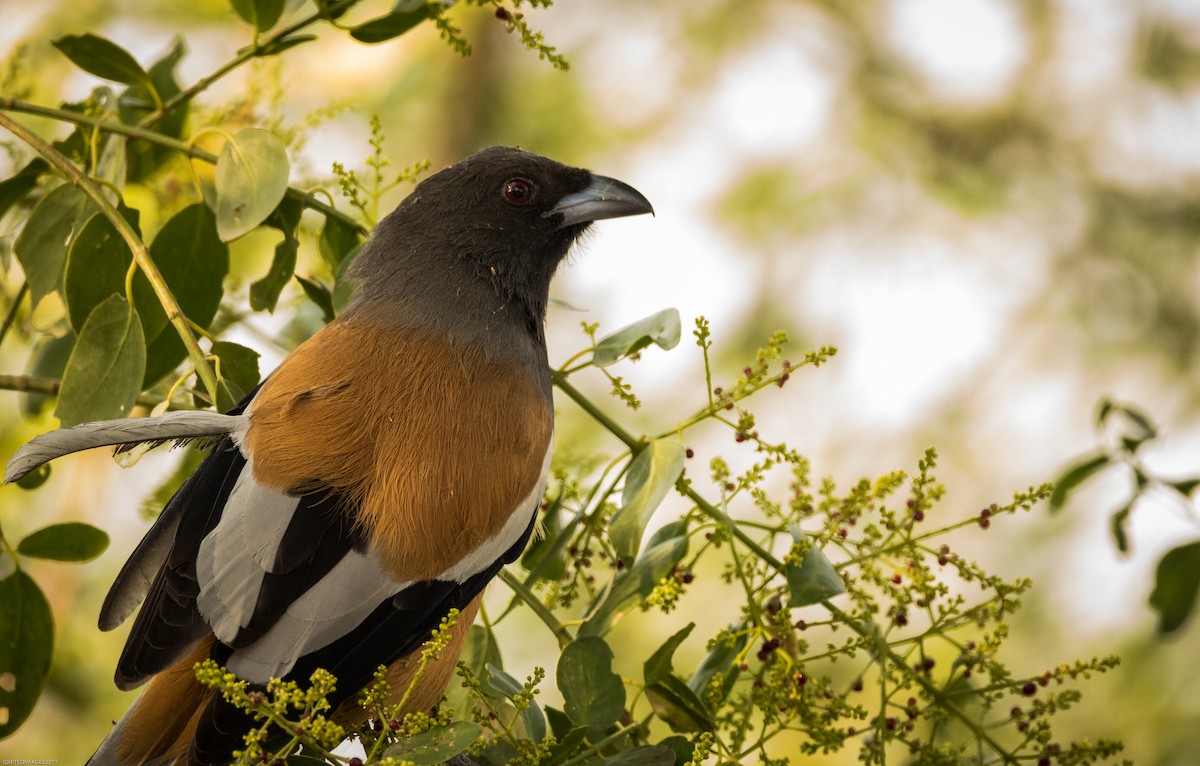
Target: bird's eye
{"x":518,"y":191}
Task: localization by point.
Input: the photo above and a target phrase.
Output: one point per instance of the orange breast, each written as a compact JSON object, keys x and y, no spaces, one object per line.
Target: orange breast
{"x":436,"y":445}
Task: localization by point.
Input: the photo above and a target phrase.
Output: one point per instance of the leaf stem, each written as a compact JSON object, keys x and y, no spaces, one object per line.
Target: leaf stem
{"x":141,"y":254}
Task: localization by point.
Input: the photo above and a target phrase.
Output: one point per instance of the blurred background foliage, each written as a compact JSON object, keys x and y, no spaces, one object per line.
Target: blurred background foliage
{"x":989,"y":206}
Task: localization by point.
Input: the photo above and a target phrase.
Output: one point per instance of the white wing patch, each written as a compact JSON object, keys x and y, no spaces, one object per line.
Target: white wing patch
{"x":326,"y":612}
{"x":236,"y":555}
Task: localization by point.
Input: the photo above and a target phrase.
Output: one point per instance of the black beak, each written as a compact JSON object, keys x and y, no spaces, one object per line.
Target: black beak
{"x":603,"y":198}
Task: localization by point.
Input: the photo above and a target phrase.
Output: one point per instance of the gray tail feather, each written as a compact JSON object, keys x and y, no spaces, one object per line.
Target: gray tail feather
{"x":181,"y":425}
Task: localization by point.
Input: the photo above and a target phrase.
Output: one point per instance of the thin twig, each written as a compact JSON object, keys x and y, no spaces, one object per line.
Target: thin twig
{"x":11,"y":316}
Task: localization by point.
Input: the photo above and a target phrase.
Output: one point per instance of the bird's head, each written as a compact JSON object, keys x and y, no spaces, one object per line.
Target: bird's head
{"x":503,"y":218}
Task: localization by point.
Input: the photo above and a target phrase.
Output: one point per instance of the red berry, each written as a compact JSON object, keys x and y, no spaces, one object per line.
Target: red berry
{"x":502,"y":14}
{"x":801,"y":625}
{"x":858,"y":685}
{"x":1015,"y":712}
{"x":688,"y":577}
{"x":690,"y":453}
{"x":356,"y":761}
{"x":897,"y":579}
{"x":747,"y":371}
{"x":1029,"y":689}
{"x":918,"y":515}
{"x":985,"y":522}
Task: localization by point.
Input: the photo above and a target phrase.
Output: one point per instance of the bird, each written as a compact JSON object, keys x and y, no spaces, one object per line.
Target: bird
{"x":379,"y":477}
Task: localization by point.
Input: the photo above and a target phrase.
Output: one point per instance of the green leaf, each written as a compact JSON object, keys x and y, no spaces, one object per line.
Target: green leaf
{"x":42,"y":245}
{"x":662,"y":329}
{"x":14,"y":188}
{"x":1117,"y":525}
{"x":437,"y":745}
{"x":136,"y":103}
{"x":1145,"y":428}
{"x":652,"y":475}
{"x":666,"y":548}
{"x":568,"y":740}
{"x":97,"y":265}
{"x":49,"y":360}
{"x":1176,"y":583}
{"x":681,"y":746}
{"x":275,"y":47}
{"x":815,"y":579}
{"x":1184,"y":487}
{"x":646,"y":755}
{"x":238,"y":364}
{"x":104,"y":374}
{"x":70,"y":541}
{"x":193,"y":262}
{"x":718,"y":660}
{"x":681,"y":708}
{"x":392,"y":25}
{"x":338,"y":239}
{"x":593,"y":695}
{"x":26,"y":647}
{"x":320,"y":295}
{"x":659,"y":666}
{"x":239,"y":374}
{"x":497,"y":752}
{"x":674,"y":701}
{"x":264,"y":294}
{"x":103,"y":58}
{"x":481,"y":650}
{"x":1073,"y":476}
{"x":251,"y":179}
{"x":531,"y":717}
{"x":35,"y":478}
{"x":263,"y":14}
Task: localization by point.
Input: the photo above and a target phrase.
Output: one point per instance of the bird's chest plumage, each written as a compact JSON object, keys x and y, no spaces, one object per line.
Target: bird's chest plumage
{"x":435,"y":446}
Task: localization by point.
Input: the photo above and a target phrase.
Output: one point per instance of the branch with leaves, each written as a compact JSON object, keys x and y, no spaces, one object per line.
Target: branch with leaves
{"x":833,"y":618}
